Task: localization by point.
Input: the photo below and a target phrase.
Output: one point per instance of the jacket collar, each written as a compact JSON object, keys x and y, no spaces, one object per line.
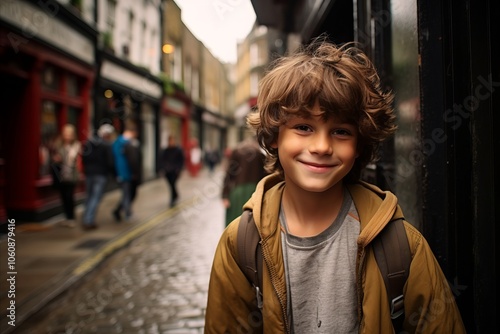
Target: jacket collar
{"x":375,"y":207}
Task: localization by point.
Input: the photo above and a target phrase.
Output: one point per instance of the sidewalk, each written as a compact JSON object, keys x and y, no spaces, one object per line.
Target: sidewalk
{"x":49,"y":257}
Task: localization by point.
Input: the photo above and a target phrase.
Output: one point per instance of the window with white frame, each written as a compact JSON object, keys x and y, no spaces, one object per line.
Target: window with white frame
{"x":195,"y":85}
{"x":130,"y":26}
{"x":187,"y":76}
{"x":177,"y":70}
{"x":153,"y":52}
{"x":144,"y":37}
{"x":110,"y":15}
{"x":254,"y":54}
{"x":254,"y":84}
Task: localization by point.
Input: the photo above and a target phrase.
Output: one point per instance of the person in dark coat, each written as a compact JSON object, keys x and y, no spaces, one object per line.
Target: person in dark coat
{"x":133,"y":154}
{"x":211,"y":159}
{"x":172,"y":162}
{"x":98,"y":165}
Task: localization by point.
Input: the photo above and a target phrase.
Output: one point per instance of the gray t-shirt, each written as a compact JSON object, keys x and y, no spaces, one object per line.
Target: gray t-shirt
{"x":321,"y":275}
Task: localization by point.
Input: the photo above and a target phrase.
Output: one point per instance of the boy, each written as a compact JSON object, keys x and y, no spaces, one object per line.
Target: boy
{"x":321,"y":115}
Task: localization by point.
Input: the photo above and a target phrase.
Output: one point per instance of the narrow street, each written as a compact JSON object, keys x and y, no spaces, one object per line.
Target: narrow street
{"x":157,"y":284}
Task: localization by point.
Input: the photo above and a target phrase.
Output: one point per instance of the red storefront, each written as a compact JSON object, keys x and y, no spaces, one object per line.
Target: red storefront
{"x":175,"y":120}
{"x":46,"y":81}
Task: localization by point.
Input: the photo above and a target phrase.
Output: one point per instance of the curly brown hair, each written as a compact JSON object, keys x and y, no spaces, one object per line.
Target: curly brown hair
{"x":345,"y":84}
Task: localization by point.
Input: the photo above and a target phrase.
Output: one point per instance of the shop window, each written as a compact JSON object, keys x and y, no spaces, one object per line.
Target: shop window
{"x":73,"y":85}
{"x":50,"y":78}
{"x":49,"y":133}
{"x":73,"y":116}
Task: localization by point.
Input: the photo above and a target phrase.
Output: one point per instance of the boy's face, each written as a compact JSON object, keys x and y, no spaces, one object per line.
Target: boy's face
{"x":316,"y":154}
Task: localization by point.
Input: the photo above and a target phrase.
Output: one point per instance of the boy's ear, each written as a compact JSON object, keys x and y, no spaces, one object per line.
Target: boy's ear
{"x":274,"y":144}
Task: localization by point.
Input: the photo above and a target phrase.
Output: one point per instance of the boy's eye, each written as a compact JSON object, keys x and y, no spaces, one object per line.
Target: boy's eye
{"x":341,"y":132}
{"x":302,"y":127}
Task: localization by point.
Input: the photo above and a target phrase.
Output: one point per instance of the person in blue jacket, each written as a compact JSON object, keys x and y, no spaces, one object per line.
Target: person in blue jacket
{"x":124,"y":171}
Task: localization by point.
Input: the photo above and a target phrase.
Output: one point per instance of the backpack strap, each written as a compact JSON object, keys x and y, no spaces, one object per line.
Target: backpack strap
{"x":393,"y":256}
{"x":250,"y":253}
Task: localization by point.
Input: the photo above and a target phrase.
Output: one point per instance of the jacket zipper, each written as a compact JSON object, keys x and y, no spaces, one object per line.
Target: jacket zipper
{"x":274,"y":277}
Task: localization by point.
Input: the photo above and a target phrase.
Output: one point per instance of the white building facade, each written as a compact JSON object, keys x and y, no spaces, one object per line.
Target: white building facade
{"x":128,"y":87}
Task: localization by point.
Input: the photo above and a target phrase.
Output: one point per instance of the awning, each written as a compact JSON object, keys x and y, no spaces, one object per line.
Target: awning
{"x":293,"y":16}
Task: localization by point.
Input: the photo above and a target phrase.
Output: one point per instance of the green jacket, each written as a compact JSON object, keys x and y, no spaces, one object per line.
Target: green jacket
{"x":429,"y":304}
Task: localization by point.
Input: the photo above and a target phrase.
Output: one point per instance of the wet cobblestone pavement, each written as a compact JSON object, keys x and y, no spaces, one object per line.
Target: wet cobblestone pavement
{"x":157,"y":284}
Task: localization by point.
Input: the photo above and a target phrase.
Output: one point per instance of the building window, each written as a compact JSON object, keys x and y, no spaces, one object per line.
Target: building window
{"x":177,"y":68}
{"x":254,"y":54}
{"x":130,"y":25}
{"x":153,"y":52}
{"x":209,"y":98}
{"x":187,"y":77}
{"x":195,"y":89}
{"x":110,"y":17}
{"x":254,"y":84}
{"x":50,"y":78}
{"x":144,"y":44}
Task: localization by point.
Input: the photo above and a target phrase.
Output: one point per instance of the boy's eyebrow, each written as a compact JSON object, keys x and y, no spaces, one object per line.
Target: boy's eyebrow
{"x":309,"y":117}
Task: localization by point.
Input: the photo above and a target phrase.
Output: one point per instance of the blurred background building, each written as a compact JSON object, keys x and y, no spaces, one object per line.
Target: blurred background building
{"x":48,"y":70}
{"x":89,"y":62}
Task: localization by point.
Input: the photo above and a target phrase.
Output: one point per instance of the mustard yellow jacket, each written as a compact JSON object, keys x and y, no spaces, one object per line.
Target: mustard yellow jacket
{"x":429,"y":304}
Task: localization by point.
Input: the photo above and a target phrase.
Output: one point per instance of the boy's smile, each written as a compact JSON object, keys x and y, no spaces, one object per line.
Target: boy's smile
{"x":316,"y":154}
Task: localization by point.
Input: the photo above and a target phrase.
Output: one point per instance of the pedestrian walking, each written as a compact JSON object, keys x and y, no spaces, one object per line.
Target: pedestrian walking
{"x":124,"y":172}
{"x":320,"y":116}
{"x":98,"y":166}
{"x":133,"y":154}
{"x":244,"y":170}
{"x":212,"y":158}
{"x":66,"y":167}
{"x":171,"y":163}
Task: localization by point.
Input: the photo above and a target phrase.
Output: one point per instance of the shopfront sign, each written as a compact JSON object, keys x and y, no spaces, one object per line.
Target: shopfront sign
{"x":40,"y":22}
{"x":174,"y":105}
{"x":138,"y":84}
{"x":214,"y":120}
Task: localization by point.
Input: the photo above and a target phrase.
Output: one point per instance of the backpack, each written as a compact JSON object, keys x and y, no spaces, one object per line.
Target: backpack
{"x":390,"y":247}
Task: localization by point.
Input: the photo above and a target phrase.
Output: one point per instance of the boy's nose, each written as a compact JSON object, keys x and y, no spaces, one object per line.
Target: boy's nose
{"x":321,"y":144}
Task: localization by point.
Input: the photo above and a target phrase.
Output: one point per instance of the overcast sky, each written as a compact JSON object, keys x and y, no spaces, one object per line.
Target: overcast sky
{"x":219,"y":24}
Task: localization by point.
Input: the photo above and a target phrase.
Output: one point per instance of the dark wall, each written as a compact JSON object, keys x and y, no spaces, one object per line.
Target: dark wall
{"x":458,"y":70}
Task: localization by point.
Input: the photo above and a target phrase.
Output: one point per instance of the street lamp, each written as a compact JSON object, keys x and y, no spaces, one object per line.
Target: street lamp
{"x":108,"y":93}
{"x":167,"y":48}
